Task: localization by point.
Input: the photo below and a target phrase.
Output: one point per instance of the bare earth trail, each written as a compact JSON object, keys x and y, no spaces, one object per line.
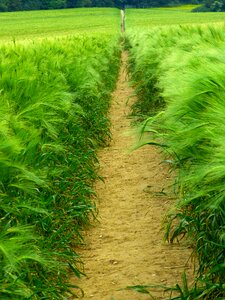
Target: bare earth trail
{"x":126,"y":247}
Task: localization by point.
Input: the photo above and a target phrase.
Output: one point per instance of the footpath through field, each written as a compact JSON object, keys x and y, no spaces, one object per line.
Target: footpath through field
{"x":126,"y":246}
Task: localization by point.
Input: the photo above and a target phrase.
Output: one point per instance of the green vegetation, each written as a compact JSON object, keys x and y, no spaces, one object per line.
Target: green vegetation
{"x":144,"y":19}
{"x":55,"y":94}
{"x":179,"y":72}
{"x":211,"y":5}
{"x":15,"y":5}
{"x":39,"y":24}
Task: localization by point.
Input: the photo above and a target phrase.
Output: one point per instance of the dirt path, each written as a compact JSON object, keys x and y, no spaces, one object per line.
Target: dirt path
{"x":122,"y":13}
{"x":126,"y":248}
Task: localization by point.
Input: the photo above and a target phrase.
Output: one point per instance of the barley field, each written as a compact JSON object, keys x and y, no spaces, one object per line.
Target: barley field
{"x":178,"y":73}
{"x":143,"y":19}
{"x":30,"y":25}
{"x":57,"y":71}
{"x":55,"y":89}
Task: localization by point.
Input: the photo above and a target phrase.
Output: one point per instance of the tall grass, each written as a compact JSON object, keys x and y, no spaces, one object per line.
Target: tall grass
{"x":53,"y":118}
{"x":188,"y":75}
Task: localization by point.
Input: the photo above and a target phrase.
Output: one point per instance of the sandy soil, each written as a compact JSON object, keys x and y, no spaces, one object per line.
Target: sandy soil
{"x":126,"y":246}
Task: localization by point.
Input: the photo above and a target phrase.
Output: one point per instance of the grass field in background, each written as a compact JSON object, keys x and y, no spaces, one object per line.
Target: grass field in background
{"x":51,"y":23}
{"x":146,"y":18}
{"x":181,"y":8}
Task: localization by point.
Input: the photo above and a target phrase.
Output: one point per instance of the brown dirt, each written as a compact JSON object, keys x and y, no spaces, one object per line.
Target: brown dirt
{"x":126,"y":247}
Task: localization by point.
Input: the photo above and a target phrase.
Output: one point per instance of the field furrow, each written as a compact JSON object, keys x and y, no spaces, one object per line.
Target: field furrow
{"x":126,"y":247}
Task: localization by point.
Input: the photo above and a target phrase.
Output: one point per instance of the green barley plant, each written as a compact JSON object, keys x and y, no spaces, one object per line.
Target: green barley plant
{"x":55,"y":95}
{"x":188,"y":75}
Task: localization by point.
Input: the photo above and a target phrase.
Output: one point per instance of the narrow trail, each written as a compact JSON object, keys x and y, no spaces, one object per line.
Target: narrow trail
{"x":126,"y":246}
{"x":122,"y":13}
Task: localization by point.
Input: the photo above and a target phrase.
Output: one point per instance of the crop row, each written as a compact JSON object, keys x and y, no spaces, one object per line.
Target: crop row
{"x":53,"y":117}
{"x":179,"y":76}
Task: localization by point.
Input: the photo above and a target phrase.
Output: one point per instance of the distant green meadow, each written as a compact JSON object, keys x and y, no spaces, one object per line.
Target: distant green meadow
{"x":31,"y":25}
{"x":146,"y":18}
{"x":51,"y":23}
